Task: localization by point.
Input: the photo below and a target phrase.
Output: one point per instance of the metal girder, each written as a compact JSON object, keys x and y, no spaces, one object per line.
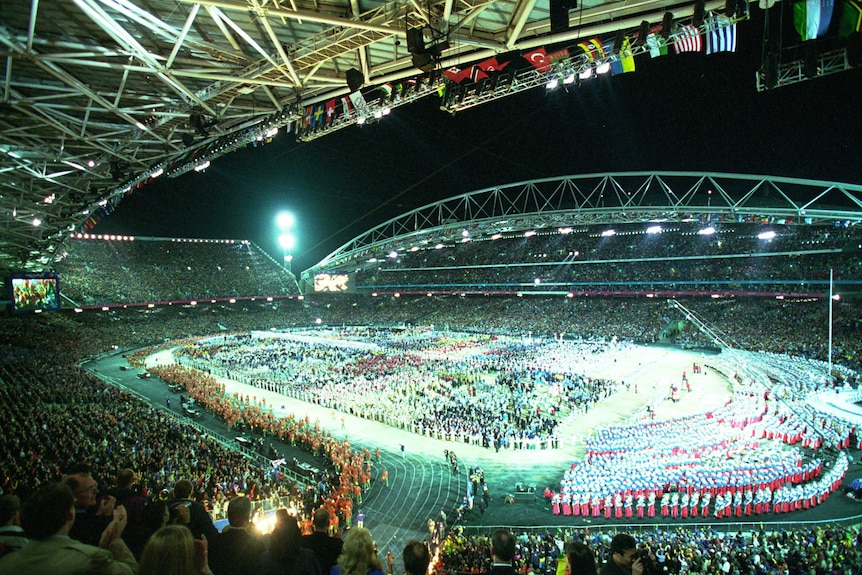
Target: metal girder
{"x":609,"y":198}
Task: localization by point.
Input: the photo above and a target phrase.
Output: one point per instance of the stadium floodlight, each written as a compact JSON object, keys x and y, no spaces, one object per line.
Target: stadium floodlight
{"x":552,"y":84}
{"x":586,"y":74}
{"x":529,"y":233}
{"x":287,"y":242}
{"x":36,"y":222}
{"x":393,"y":254}
{"x":706,"y":231}
{"x":285,"y":220}
{"x":653,"y":230}
{"x":565,"y":231}
{"x":608,"y":233}
{"x":603,"y":68}
{"x":766,"y":235}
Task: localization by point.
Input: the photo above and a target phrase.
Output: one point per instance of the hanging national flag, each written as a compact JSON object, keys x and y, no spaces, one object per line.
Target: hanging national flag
{"x":811,"y":18}
{"x":593,"y":49}
{"x":309,"y":114}
{"x":687,"y":40}
{"x":456,"y":74}
{"x":346,"y":108}
{"x":624,"y":61}
{"x":851,"y":19}
{"x":657,"y":45}
{"x":319,"y":115}
{"x":558,"y":55}
{"x":476,"y":74}
{"x":538,"y":59}
{"x":330,"y":111}
{"x":358,"y":100}
{"x":720,"y":35}
{"x":386,"y":89}
{"x":491,"y":65}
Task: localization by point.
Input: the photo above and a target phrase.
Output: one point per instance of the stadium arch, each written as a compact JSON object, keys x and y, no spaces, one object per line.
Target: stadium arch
{"x":601,"y":198}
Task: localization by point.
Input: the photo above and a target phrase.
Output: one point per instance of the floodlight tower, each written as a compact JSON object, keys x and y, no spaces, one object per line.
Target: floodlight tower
{"x":286,"y":239}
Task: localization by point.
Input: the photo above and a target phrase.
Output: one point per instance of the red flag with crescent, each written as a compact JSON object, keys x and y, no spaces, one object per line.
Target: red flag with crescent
{"x":538,"y":59}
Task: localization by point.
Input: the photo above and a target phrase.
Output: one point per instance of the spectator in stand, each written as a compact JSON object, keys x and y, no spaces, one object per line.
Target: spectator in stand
{"x":579,"y":559}
{"x":416,"y":558}
{"x":154,"y":516}
{"x":359,"y":556}
{"x":199,"y":520}
{"x":502,"y":552}
{"x":47,"y":518}
{"x":92,"y":515}
{"x":286,"y":556}
{"x":125,"y":494}
{"x":239,"y":547}
{"x":172,"y":550}
{"x":622,"y":557}
{"x":325,"y":548}
{"x":12,"y":536}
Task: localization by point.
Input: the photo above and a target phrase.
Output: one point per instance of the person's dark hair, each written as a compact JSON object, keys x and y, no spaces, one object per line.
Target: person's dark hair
{"x":621,"y":543}
{"x":125,"y":477}
{"x":503,"y":545}
{"x":153,"y":515}
{"x":580,"y":558}
{"x":286,"y":540}
{"x":183,"y":489}
{"x":416,"y":558}
{"x":9,"y":505}
{"x":47,"y":511}
{"x":321,"y":519}
{"x":239,"y":511}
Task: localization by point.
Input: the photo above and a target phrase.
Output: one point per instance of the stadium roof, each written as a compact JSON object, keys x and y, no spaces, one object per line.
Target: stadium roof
{"x":100,"y":96}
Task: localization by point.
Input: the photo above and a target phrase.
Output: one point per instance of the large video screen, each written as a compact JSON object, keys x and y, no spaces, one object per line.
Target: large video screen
{"x":335,"y":282}
{"x":32,"y":293}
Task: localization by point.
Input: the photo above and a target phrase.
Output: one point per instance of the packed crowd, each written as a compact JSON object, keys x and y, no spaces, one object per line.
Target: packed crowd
{"x":697,"y":551}
{"x":57,"y":416}
{"x":498,"y":392}
{"x":105,"y":271}
{"x":796,"y":260}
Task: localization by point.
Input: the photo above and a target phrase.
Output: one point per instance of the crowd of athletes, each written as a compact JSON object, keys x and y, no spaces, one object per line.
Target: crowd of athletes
{"x":492,"y":392}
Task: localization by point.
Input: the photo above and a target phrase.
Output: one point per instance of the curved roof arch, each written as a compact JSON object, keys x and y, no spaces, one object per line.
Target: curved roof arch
{"x":626,"y":197}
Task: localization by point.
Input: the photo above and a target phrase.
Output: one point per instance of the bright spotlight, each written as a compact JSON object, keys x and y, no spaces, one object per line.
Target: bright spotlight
{"x":393,"y":254}
{"x":285,"y":220}
{"x":653,"y":230}
{"x":603,"y":68}
{"x":766,"y":235}
{"x":287,"y":241}
{"x":608,"y":233}
{"x":706,"y":231}
{"x":552,"y":84}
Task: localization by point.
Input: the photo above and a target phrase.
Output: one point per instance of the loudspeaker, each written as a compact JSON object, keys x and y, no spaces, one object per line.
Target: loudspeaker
{"x":415,"y":40}
{"x":188,"y":140}
{"x":559,"y":15}
{"x":809,"y":62}
{"x":667,"y":24}
{"x":643,"y":32}
{"x":355,"y":79}
{"x":424,"y":62}
{"x":699,"y":12}
{"x":619,"y":39}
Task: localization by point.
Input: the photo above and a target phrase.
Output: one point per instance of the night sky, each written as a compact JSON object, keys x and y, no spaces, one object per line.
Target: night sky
{"x":690,"y":112}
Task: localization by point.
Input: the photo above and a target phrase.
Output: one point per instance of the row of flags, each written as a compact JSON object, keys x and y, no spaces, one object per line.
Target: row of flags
{"x":718,"y":35}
